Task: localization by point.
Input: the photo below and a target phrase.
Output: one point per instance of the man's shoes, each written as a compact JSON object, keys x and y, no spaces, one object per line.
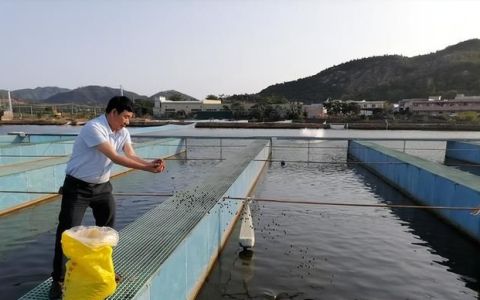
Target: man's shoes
{"x":56,"y":291}
{"x":118,"y":278}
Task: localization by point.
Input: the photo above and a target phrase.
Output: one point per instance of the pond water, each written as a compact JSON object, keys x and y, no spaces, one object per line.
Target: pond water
{"x":302,"y":251}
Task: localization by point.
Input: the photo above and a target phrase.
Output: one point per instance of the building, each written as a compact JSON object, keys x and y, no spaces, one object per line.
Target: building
{"x":462,"y":97}
{"x":437,"y":106}
{"x":368,"y":108}
{"x":166,"y":108}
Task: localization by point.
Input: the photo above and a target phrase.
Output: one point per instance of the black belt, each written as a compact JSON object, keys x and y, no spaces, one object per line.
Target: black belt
{"x":81,"y":182}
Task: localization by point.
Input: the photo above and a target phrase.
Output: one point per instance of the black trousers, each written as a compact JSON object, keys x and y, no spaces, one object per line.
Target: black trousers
{"x":77,"y":196}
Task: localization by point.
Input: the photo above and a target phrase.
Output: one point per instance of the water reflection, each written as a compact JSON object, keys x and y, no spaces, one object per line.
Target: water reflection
{"x":247,"y":264}
{"x":463,"y":166}
{"x":318,"y":252}
{"x":461,"y":252}
{"x":18,"y":229}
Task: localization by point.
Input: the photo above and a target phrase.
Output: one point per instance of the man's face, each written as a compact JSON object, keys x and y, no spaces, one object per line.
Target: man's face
{"x":120,"y":120}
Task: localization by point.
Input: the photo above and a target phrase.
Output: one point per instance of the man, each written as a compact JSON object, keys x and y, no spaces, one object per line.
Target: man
{"x":87,"y":184}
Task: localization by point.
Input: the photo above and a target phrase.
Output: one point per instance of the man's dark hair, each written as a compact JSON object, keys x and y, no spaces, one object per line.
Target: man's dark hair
{"x":120,"y":103}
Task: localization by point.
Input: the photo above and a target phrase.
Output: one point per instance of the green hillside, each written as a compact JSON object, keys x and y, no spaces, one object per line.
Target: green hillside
{"x":38,"y":94}
{"x":455,"y":69}
{"x":174,"y":96}
{"x":91,"y":95}
{"x":33,"y":95}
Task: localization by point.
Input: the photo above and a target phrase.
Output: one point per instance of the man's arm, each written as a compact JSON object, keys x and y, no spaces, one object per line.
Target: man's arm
{"x":130,"y":153}
{"x":107,"y":149}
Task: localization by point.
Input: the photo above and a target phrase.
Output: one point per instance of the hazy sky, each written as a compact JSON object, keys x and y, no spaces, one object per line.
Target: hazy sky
{"x":213,"y":47}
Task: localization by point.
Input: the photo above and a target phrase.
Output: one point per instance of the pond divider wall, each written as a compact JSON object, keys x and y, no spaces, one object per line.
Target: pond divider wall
{"x":463,"y":151}
{"x":427,"y":182}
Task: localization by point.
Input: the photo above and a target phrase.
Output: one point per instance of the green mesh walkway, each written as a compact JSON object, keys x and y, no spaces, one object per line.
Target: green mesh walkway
{"x":146,"y":243}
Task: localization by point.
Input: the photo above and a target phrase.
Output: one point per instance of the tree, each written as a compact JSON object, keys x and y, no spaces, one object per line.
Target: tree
{"x":238,"y":110}
{"x":211,"y":97}
{"x":467,"y":116}
{"x":256,"y":112}
{"x":142,"y":107}
{"x":378,"y":113}
{"x":450,"y":94}
{"x":337,"y":108}
{"x":274,"y":99}
{"x":175,"y":97}
{"x":333,"y":107}
{"x":276,"y":113}
{"x":295,"y":111}
{"x":351,"y":108}
{"x":259,"y":111}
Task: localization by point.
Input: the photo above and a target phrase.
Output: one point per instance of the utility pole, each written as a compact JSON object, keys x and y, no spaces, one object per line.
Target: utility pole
{"x":10,"y":102}
{"x":8,"y":115}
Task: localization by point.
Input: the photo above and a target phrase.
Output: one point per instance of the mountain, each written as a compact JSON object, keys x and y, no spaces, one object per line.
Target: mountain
{"x":91,"y":95}
{"x":38,"y":94}
{"x":455,"y":69}
{"x":3,"y":94}
{"x":174,"y":95}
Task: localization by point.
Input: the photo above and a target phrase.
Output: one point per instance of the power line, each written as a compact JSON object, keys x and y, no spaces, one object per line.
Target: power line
{"x":474,"y":210}
{"x":115,"y":194}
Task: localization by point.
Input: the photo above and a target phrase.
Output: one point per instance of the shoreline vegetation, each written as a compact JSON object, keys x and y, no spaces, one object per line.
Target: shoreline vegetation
{"x":81,"y":122}
{"x":353,"y":125}
{"x":371,"y":125}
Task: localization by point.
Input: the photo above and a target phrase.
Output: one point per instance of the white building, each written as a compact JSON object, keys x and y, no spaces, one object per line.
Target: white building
{"x":462,"y":97}
{"x":367,"y":108}
{"x":164,"y":108}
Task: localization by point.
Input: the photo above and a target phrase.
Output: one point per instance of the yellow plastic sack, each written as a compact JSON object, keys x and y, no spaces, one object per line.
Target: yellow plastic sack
{"x":90,"y":274}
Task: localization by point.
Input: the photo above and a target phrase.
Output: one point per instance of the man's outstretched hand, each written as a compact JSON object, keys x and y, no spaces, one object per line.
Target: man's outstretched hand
{"x":159,"y":165}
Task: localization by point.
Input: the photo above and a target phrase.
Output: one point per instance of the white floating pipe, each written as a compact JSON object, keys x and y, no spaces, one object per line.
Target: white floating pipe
{"x":247,"y":232}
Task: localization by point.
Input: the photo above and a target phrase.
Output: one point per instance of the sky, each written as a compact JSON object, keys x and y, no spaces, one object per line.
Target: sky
{"x":217,"y":47}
